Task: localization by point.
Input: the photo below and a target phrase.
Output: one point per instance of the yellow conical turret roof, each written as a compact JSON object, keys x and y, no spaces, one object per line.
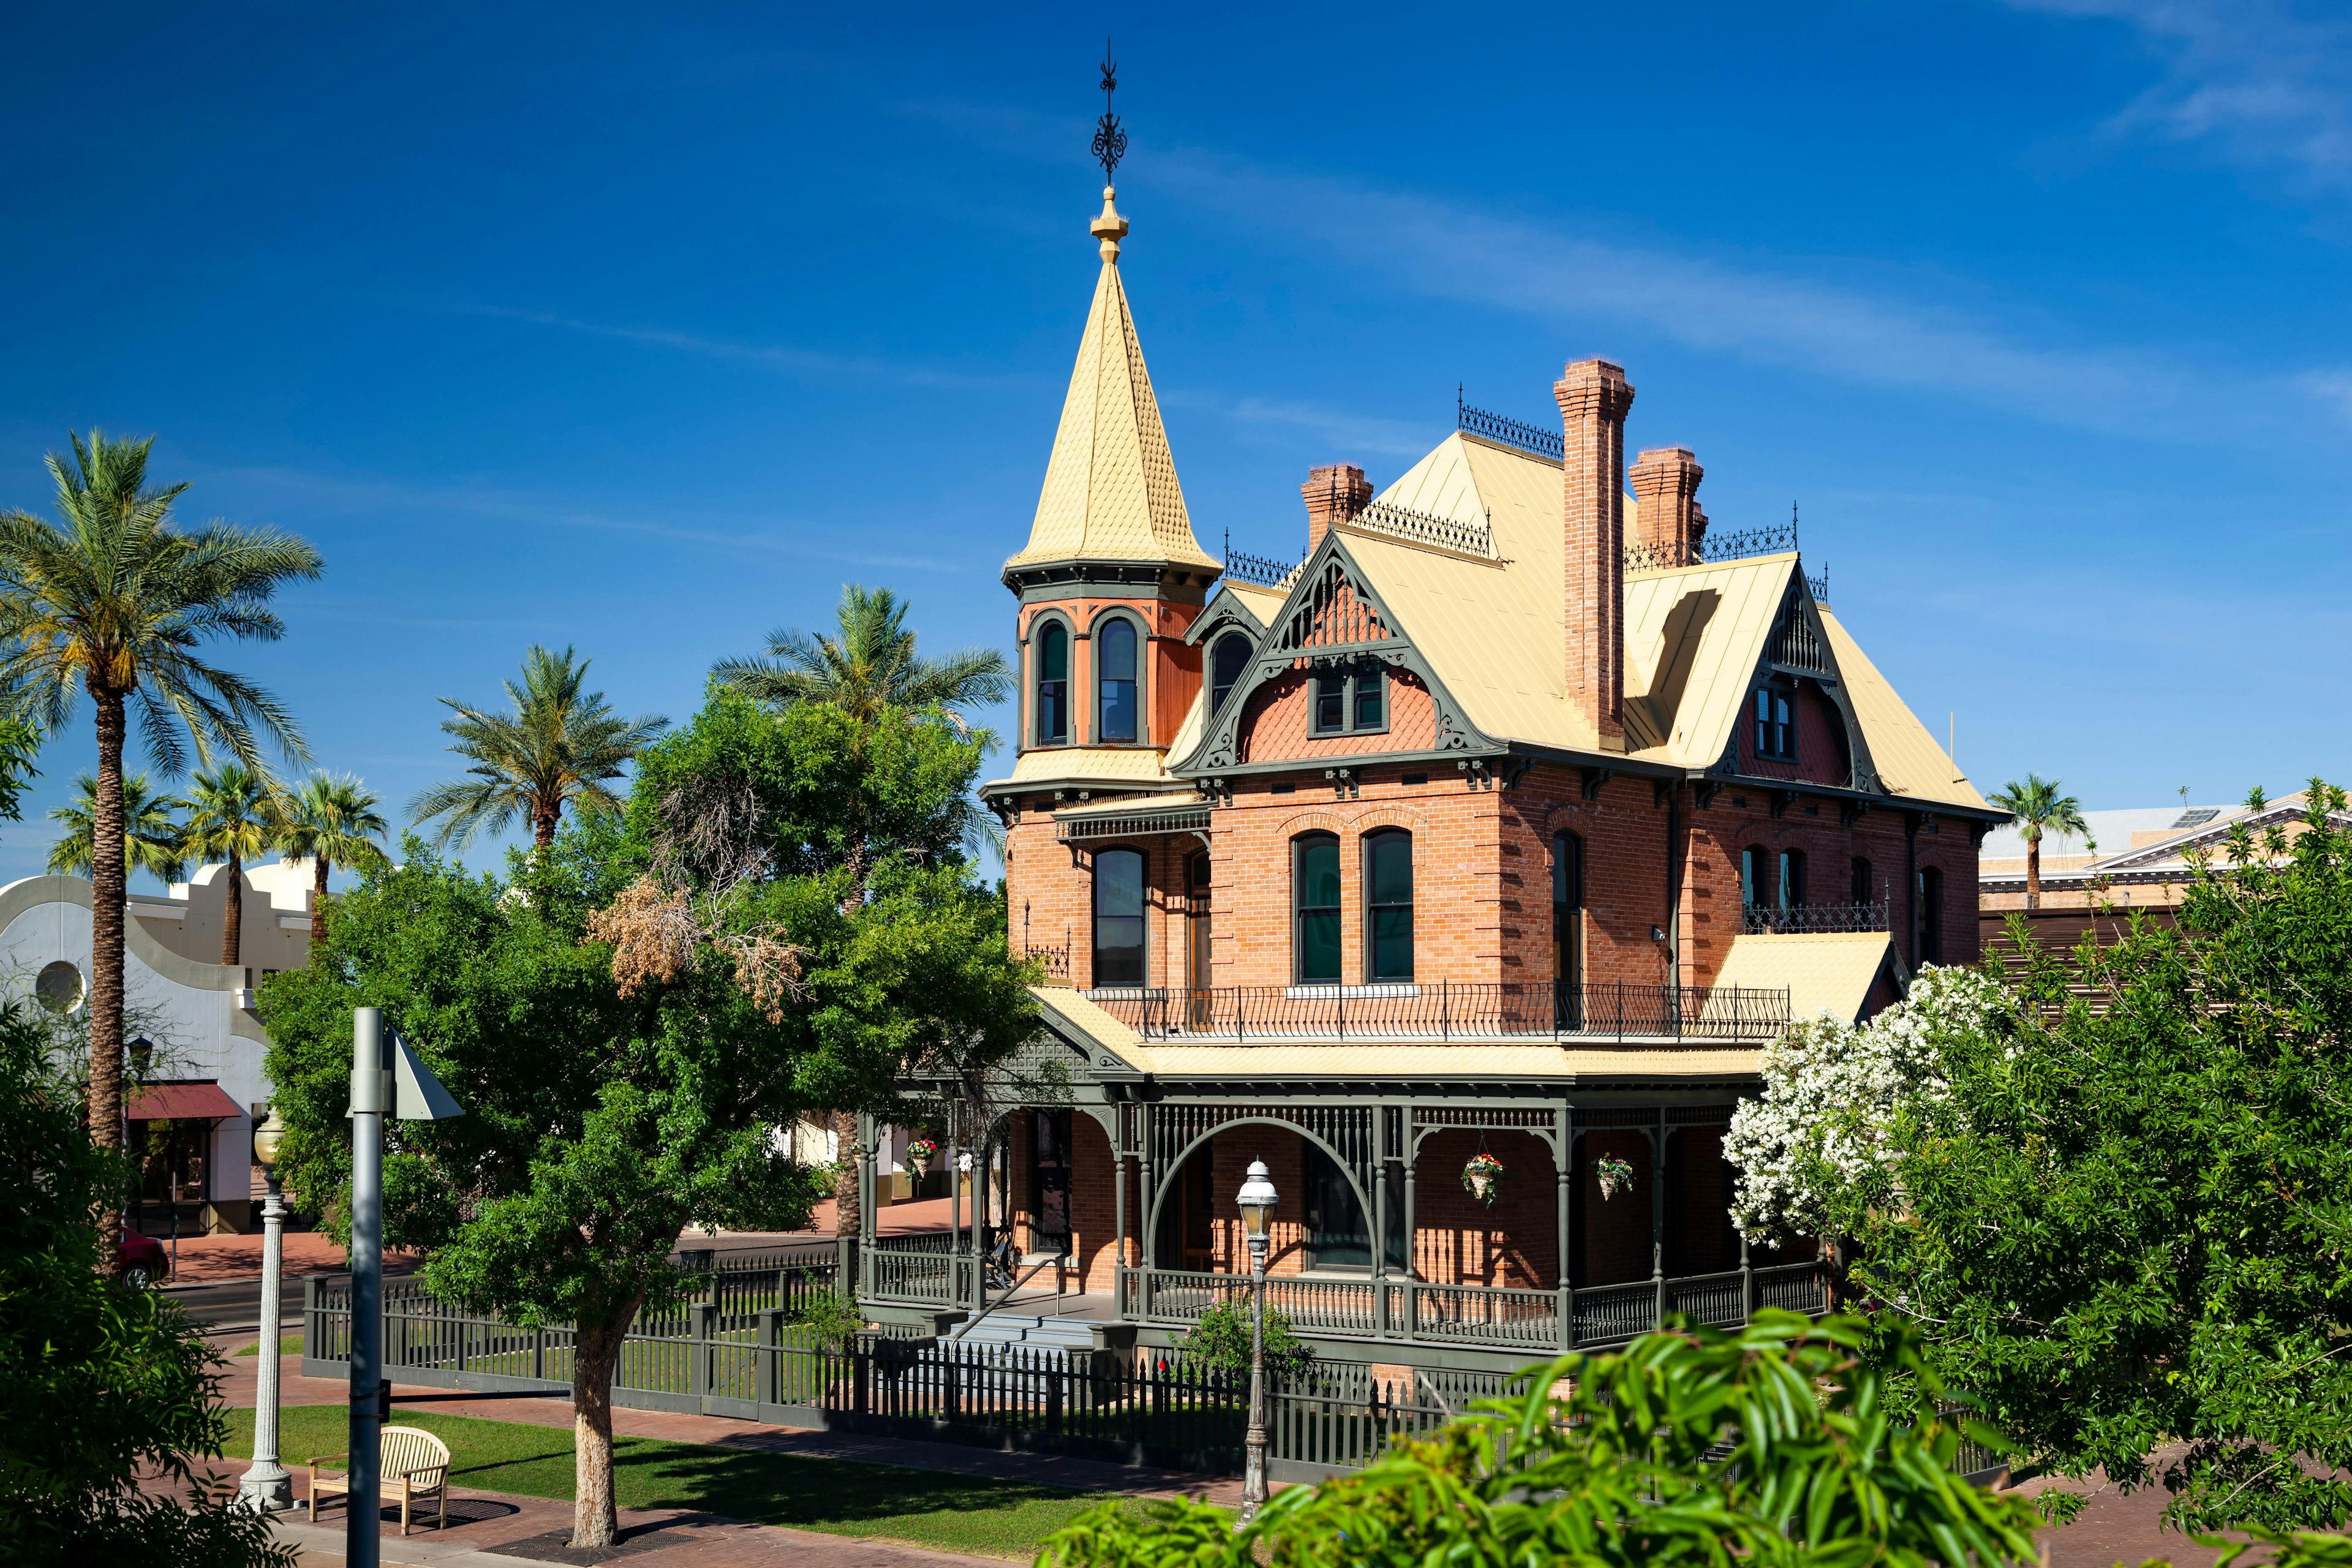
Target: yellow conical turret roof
{"x":1110,"y":487}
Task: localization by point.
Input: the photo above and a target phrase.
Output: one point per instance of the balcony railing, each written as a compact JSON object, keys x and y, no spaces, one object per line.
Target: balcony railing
{"x":1395,"y":1308}
{"x":1448,"y":1010}
{"x":1810,"y":920}
{"x":1056,"y":957}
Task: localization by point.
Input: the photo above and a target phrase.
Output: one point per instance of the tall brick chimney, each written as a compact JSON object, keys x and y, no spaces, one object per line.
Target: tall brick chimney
{"x":1668,"y":522}
{"x":1332,"y":493}
{"x":1593,"y":397}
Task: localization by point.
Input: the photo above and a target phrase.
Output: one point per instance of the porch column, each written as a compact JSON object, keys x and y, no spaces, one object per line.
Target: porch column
{"x":1658,"y":1217}
{"x":1381,"y":1154}
{"x":1150,"y":1245}
{"x":1563,"y":1159}
{"x":865,"y":1180}
{"x":1119,"y":1190}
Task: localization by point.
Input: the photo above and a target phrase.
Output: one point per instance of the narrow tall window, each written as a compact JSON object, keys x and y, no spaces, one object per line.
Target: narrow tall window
{"x":1372,"y":696}
{"x":1930,"y":894}
{"x":1119,"y":918}
{"x":1315,"y":894}
{"x":1862,"y":890}
{"x":1568,"y":930}
{"x":1330,"y":703}
{"x":1754,"y":887}
{"x":1115,"y":681}
{"x":1776,"y":737}
{"x":1226,"y":663}
{"x":1388,"y":905}
{"x":1053,"y":709}
{"x":1792,"y":877}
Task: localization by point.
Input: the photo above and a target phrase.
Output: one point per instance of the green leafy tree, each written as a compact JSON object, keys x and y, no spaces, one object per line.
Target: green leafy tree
{"x":2122,"y":1217}
{"x":331,"y":821}
{"x":1619,"y":1461}
{"x":102,"y":1387}
{"x":562,"y":745}
{"x":2038,"y":808}
{"x":868,"y":664}
{"x":115,"y":601}
{"x":152,"y":839}
{"x":235,"y":815}
{"x":632,"y":1022}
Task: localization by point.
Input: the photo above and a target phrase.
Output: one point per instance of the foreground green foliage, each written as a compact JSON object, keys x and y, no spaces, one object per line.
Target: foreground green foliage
{"x":101,"y":1384}
{"x":2126,"y":1219}
{"x":1774,"y":1445}
{"x":874,"y":1503}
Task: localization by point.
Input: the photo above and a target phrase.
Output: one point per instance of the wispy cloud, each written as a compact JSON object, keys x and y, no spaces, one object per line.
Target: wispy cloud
{"x":773,"y":356}
{"x":338,"y":493}
{"x":2268,"y":85}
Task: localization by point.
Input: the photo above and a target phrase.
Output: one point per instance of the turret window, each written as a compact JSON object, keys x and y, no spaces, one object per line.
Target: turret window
{"x":1115,"y":681}
{"x":1053,"y":703}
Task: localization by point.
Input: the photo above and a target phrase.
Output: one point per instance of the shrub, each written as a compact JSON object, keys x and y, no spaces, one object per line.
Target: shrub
{"x":1221,"y":1340}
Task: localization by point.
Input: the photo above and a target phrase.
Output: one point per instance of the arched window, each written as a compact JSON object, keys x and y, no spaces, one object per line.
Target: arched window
{"x":1930,"y":896}
{"x":1315,"y":898}
{"x":1792,"y":878}
{"x":1115,"y":681}
{"x":1053,"y":703}
{"x":1119,"y":918}
{"x":1226,"y":662}
{"x":1388,"y":905}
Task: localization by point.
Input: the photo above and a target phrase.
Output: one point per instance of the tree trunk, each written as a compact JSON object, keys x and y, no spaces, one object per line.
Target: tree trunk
{"x":846,"y":1206}
{"x":106,"y":916}
{"x":596,"y":1352}
{"x":543,"y":826}
{"x":233,"y":916}
{"x":2033,"y":873}
{"x":317,"y":900}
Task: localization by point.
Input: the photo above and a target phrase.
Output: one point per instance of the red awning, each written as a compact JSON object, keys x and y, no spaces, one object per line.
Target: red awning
{"x":203,"y":1101}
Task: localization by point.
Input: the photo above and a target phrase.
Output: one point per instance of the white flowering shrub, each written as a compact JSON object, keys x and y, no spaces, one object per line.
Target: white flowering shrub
{"x":1831,"y":1092}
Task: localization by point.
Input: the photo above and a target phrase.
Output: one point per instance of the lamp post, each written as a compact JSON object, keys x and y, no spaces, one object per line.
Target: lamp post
{"x":1256,"y":1200}
{"x":266,"y":1488}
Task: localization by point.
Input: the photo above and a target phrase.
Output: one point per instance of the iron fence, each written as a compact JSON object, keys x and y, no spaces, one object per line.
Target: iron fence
{"x":1447,"y":1009}
{"x":1790,"y":920}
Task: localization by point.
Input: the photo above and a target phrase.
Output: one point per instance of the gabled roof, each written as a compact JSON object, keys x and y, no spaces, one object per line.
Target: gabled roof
{"x":1693,"y":636}
{"x":1909,"y":762}
{"x":1111,"y":491}
{"x":1828,"y":973}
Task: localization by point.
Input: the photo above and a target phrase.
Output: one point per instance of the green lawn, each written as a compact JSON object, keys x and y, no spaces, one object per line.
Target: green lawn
{"x":288,"y":1344}
{"x":922,"y":1508}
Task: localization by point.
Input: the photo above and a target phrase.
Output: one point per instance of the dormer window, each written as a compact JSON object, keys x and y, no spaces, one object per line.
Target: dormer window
{"x":1115,"y":681}
{"x":1226,"y":662}
{"x":1053,"y":705}
{"x":1776,"y":737}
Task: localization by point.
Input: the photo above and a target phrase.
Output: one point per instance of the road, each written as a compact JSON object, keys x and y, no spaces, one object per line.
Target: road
{"x":234,"y":1306}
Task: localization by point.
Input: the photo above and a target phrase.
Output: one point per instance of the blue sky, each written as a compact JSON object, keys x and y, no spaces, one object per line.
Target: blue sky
{"x":645,"y":329}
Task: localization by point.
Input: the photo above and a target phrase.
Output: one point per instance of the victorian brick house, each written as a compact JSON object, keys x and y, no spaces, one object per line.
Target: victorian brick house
{"x":1515,"y":817}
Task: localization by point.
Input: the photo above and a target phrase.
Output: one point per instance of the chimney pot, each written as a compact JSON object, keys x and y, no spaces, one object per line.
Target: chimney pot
{"x":1333,"y":494}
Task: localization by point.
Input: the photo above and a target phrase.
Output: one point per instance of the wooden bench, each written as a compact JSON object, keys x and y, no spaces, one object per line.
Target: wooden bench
{"x":413,"y":1465}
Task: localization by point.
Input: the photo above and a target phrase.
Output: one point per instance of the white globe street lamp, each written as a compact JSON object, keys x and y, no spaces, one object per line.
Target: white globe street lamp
{"x":267,"y":1486}
{"x":1257,"y":1199}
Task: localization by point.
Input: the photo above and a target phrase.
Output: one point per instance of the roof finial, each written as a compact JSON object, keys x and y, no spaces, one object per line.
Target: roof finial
{"x":1109,"y":147}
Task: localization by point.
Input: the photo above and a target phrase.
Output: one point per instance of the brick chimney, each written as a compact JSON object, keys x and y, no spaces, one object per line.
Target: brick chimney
{"x":1593,"y":397}
{"x":1333,"y":492}
{"x":1669,"y":523}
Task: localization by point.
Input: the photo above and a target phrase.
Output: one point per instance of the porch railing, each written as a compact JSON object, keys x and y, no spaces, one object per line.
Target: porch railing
{"x":1448,"y":1010}
{"x":1484,"y":1315}
{"x":1810,"y":920}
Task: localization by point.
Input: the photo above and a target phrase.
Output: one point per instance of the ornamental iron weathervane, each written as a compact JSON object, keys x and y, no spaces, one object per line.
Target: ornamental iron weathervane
{"x":1110,"y":138}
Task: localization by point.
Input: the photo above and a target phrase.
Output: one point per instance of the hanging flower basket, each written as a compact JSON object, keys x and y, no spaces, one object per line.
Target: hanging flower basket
{"x":1615,"y":1177}
{"x":1482,"y":1178}
{"x":920,"y":1155}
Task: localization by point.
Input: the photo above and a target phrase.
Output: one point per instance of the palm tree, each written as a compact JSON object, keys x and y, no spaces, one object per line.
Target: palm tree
{"x":560,"y":746}
{"x":869,"y":666}
{"x":114,"y":600}
{"x":233,"y":815}
{"x":2039,"y":809}
{"x":331,"y":822}
{"x":151,"y":834}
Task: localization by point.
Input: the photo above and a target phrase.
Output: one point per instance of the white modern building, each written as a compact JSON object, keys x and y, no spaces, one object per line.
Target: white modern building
{"x":190,"y":1019}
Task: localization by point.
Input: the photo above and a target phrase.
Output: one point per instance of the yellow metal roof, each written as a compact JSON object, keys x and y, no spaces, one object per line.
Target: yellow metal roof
{"x":1909,"y":762}
{"x":1425,"y":1059}
{"x":1056,"y":765}
{"x":1830,"y":974}
{"x":1111,"y":491}
{"x":1692,"y":639}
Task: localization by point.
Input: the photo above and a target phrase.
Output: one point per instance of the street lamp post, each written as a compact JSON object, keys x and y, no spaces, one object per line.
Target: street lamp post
{"x":1256,"y":1200}
{"x":266,"y":1486}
